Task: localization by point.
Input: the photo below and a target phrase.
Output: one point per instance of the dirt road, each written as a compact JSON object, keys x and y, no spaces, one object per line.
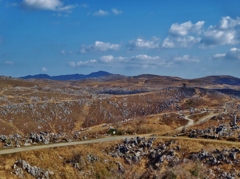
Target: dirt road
{"x":115,"y":138}
{"x":108,"y":139}
{"x":36,"y":147}
{"x":201,"y":120}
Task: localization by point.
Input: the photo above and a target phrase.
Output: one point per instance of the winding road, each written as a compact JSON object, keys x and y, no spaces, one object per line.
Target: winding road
{"x":108,"y":139}
{"x":115,"y":138}
{"x":201,"y":120}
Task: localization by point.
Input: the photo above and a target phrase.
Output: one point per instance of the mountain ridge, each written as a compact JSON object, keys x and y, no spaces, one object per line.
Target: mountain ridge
{"x":68,"y":77}
{"x":106,"y":76}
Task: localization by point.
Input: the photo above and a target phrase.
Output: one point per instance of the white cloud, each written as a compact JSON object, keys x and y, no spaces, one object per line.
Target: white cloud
{"x":225,"y":33}
{"x":44,"y":69}
{"x":8,"y":63}
{"x":141,"y":43}
{"x":101,"y":12}
{"x":187,"y":41}
{"x":183,"y":35}
{"x":232,"y":54}
{"x":82,"y":63}
{"x":227,"y":22}
{"x":54,"y":5}
{"x":66,"y":8}
{"x":107,"y":58}
{"x":110,"y":59}
{"x":187,"y":34}
{"x":186,"y":28}
{"x":116,"y":11}
{"x":146,"y":61}
{"x":219,"y":56}
{"x":168,"y":43}
{"x":99,"y":46}
{"x":186,"y":58}
{"x":144,"y":57}
{"x":138,"y":61}
{"x":181,"y":41}
{"x":213,"y":37}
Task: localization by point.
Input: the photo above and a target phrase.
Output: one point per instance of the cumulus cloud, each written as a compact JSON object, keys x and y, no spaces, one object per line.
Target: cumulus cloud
{"x":141,"y":43}
{"x":82,"y":63}
{"x":183,"y":35}
{"x":146,"y":61}
{"x":182,"y":41}
{"x":232,"y":54}
{"x":227,"y":22}
{"x":226,"y":32}
{"x":186,"y":28}
{"x":116,"y":11}
{"x":168,"y":43}
{"x":99,"y":46}
{"x":137,"y":61}
{"x":107,"y":58}
{"x":143,"y":57}
{"x":186,"y":58}
{"x":187,"y":34}
{"x":213,"y":37}
{"x":101,"y":12}
{"x":112,"y":59}
{"x":53,"y":5}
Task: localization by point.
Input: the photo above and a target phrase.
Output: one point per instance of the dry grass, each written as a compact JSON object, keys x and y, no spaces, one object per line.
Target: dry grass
{"x":95,"y":109}
{"x":55,"y":159}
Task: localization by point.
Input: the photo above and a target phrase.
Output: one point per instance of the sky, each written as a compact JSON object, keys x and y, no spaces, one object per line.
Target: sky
{"x":184,"y":38}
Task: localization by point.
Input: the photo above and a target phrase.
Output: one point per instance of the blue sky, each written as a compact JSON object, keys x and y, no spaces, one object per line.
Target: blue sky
{"x":184,"y":38}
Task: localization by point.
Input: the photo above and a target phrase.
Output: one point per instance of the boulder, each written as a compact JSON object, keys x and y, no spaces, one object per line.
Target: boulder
{"x":120,"y":167}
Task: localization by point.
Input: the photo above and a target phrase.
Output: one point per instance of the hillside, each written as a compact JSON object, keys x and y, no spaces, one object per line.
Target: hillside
{"x":179,"y":124}
{"x":220,"y":80}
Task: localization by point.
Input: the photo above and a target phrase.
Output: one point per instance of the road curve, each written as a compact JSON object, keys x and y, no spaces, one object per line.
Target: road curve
{"x":115,"y":138}
{"x":108,"y":139}
{"x":201,"y":120}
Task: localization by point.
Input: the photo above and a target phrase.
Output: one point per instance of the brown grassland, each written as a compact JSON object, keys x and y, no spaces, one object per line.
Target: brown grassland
{"x":146,"y":104}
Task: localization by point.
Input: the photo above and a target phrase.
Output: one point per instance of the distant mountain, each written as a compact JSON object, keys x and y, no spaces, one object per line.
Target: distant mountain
{"x":68,"y":77}
{"x":144,"y":78}
{"x":221,"y":79}
{"x":230,"y":80}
